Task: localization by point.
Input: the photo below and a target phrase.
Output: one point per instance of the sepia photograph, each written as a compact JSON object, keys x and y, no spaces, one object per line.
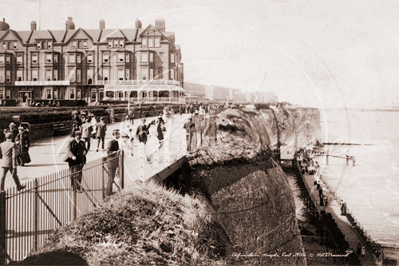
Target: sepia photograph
{"x":182,"y":132}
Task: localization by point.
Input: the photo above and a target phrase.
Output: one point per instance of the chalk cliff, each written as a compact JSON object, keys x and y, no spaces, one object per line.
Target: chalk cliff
{"x":248,"y":189}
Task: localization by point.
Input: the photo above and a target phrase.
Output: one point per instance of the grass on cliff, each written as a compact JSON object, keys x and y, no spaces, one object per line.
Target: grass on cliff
{"x":145,"y":224}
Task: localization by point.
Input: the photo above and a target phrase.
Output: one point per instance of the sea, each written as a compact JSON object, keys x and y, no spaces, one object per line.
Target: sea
{"x":370,"y":187}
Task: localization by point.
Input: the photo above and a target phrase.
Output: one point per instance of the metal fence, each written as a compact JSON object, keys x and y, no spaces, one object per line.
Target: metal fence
{"x":27,"y":218}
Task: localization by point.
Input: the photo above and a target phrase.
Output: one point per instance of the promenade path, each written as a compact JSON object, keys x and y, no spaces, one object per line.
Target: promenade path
{"x":47,"y":154}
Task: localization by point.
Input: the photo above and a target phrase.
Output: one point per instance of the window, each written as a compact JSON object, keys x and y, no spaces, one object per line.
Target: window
{"x":157,"y":43}
{"x":48,"y":94}
{"x":172,"y":74}
{"x":8,"y":94}
{"x":48,"y":58}
{"x":151,"y":73}
{"x":105,"y":57}
{"x":48,"y":75}
{"x":15,"y":45}
{"x":144,"y":74}
{"x":89,"y":58}
{"x":55,"y":94}
{"x":8,"y":59}
{"x":5,"y":45}
{"x":127,"y":74}
{"x":106,"y":74}
{"x":78,"y":58}
{"x":39,"y":45}
{"x":151,"y":57}
{"x":49,"y":45}
{"x":71,"y":58}
{"x":1,"y":94}
{"x":121,"y":43}
{"x":89,"y":76}
{"x":150,"y":42}
{"x":110,"y":44}
{"x":56,"y":58}
{"x":71,"y":93}
{"x":144,"y":42}
{"x":127,"y":58}
{"x":1,"y":59}
{"x":34,"y":59}
{"x":78,"y":75}
{"x":72,"y":75}
{"x":74,"y":44}
{"x":172,"y":58}
{"x":19,"y":59}
{"x":85,"y":44}
{"x":55,"y":75}
{"x":120,"y":74}
{"x":116,"y":43}
{"x":144,"y":57}
{"x":120,"y":57}
{"x":19,"y":75}
{"x":34,"y":75}
{"x":8,"y":76}
{"x":1,"y":76}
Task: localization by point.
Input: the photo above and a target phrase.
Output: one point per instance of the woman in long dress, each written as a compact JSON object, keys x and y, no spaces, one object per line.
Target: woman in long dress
{"x":153,"y":142}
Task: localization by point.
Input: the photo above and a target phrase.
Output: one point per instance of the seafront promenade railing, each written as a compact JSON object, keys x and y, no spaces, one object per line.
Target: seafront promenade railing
{"x":27,"y":218}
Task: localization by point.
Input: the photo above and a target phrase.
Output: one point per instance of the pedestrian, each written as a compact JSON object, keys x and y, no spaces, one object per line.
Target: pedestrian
{"x":153,"y":141}
{"x":100,"y":134}
{"x":13,"y":130}
{"x":125,"y":144}
{"x":363,"y":251}
{"x":86,"y":130}
{"x":93,"y":122}
{"x":22,"y":142}
{"x":112,"y":159}
{"x":189,"y":126}
{"x":76,"y":158}
{"x":160,"y":130}
{"x":131,"y":115}
{"x":141,"y":131}
{"x":180,"y":109}
{"x":76,"y":123}
{"x":8,"y":161}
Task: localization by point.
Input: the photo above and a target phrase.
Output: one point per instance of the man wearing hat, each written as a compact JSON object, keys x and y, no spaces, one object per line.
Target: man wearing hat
{"x":112,"y":159}
{"x":13,"y":130}
{"x":76,"y":158}
{"x":8,"y":161}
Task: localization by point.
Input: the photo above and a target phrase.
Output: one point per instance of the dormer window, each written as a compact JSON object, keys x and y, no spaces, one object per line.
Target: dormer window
{"x":74,"y":44}
{"x":85,"y":44}
{"x":115,"y":43}
{"x":120,"y":57}
{"x":5,"y":45}
{"x":49,"y":45}
{"x":121,"y":43}
{"x":110,"y":44}
{"x":105,"y":58}
{"x":39,"y":45}
{"x":48,"y":58}
{"x":15,"y":45}
{"x":89,"y":58}
{"x":144,"y":42}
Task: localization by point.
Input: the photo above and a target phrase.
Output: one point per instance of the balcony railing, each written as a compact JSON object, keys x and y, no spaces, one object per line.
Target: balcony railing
{"x":138,"y":82}
{"x":43,"y":83}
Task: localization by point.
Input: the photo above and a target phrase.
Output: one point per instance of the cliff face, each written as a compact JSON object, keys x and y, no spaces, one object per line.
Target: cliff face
{"x":248,"y":190}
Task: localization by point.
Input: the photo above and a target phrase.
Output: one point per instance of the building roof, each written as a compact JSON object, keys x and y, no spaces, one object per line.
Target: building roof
{"x":58,"y":35}
{"x":111,"y":33}
{"x":95,"y":34}
{"x":69,"y":34}
{"x":40,"y":34}
{"x":2,"y":33}
{"x":24,"y":36}
{"x":130,"y":34}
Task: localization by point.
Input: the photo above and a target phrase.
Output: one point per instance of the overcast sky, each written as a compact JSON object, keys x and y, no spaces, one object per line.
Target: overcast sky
{"x":318,"y":53}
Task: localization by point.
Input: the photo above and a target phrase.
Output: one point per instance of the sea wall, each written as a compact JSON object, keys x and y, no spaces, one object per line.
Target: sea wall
{"x":248,"y":189}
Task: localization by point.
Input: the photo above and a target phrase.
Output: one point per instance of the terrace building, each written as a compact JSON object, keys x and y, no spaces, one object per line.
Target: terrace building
{"x":90,"y":64}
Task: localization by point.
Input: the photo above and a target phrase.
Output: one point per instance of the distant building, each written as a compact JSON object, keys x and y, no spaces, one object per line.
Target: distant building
{"x":194,"y":88}
{"x":90,"y":64}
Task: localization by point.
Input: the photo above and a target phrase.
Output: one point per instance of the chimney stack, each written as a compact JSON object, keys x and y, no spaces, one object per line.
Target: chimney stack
{"x":160,"y":25}
{"x":69,"y":25}
{"x":33,"y":25}
{"x":102,"y":24}
{"x":138,"y":24}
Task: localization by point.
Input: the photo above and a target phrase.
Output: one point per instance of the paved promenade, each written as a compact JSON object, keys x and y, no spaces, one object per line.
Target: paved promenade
{"x":47,"y":154}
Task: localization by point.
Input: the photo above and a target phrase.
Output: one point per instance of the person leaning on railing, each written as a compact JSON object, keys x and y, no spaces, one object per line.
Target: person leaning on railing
{"x":76,"y":158}
{"x":112,"y":159}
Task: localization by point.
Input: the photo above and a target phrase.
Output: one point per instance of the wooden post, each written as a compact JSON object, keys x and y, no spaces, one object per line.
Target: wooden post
{"x":103,"y":177}
{"x":3,"y":227}
{"x":122,"y":169}
{"x":36,"y":213}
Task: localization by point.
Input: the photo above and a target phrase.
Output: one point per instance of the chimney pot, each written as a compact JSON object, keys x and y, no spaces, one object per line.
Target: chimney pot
{"x":102,"y":24}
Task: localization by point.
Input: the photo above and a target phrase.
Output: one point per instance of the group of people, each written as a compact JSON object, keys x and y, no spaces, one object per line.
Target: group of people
{"x":14,"y":151}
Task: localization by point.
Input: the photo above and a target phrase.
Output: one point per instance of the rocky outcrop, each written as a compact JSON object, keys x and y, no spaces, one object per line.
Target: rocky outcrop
{"x":247,"y":188}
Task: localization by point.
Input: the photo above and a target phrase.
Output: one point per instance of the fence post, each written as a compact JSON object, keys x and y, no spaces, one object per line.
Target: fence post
{"x":75,"y":197}
{"x":142,"y":156}
{"x":36,"y":213}
{"x":122,"y":169}
{"x":102,"y":177}
{"x":3,"y":227}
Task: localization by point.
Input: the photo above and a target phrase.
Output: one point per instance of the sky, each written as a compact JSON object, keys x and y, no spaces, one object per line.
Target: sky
{"x":320,"y":53}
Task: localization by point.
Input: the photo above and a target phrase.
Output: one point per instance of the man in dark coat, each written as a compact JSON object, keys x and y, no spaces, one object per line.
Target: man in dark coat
{"x":112,"y":159}
{"x":8,"y":161}
{"x":189,"y":126}
{"x":142,"y":131}
{"x":76,"y":158}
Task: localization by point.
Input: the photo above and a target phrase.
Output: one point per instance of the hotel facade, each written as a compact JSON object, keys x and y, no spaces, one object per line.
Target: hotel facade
{"x":139,"y":64}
